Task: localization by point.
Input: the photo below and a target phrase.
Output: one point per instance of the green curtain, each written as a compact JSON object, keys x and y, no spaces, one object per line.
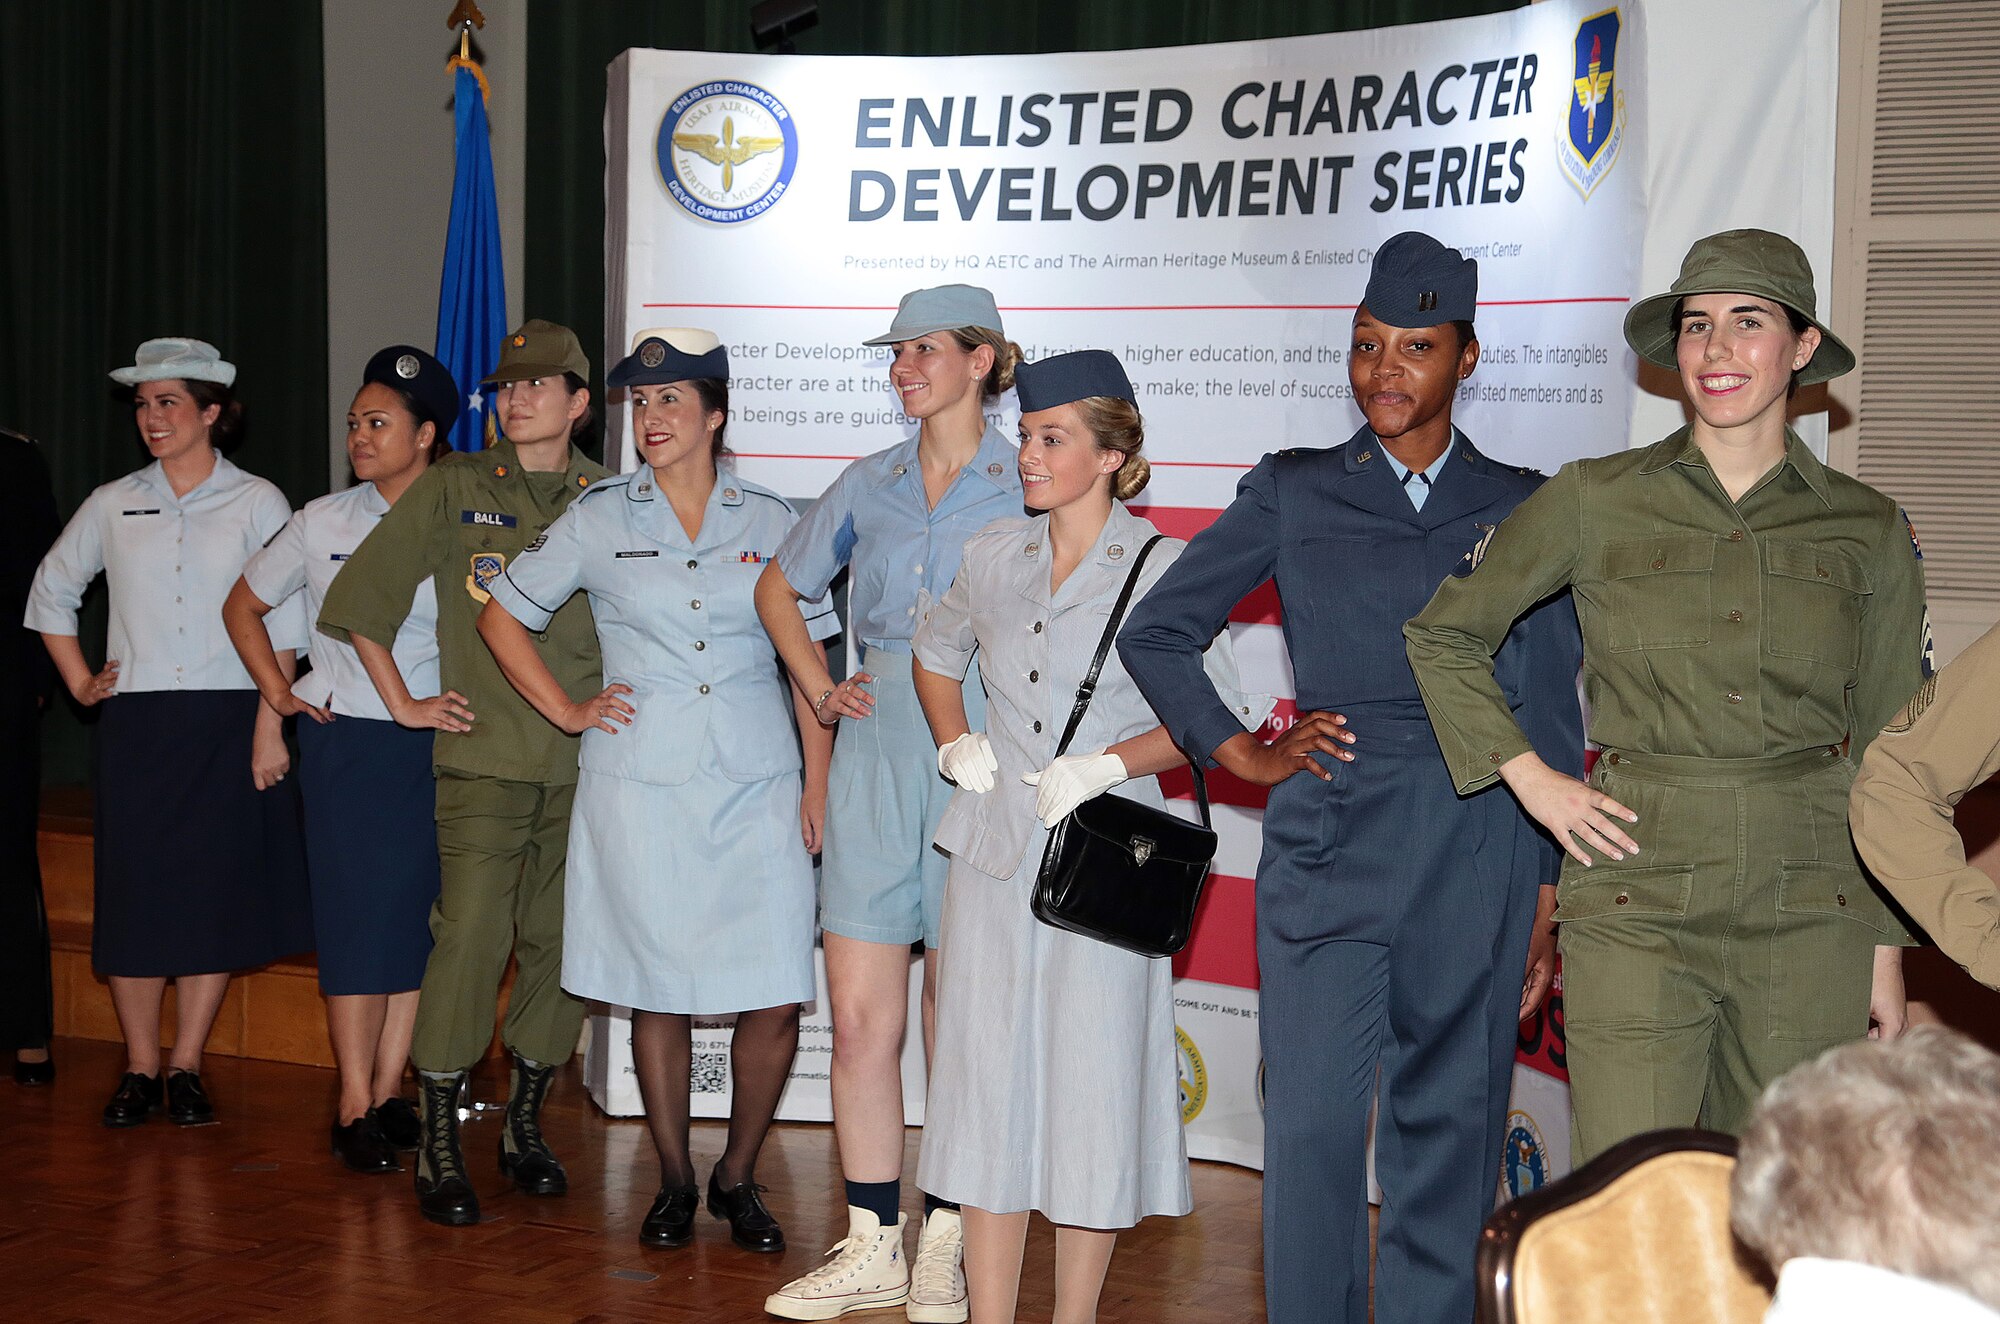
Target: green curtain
{"x":165,"y":175}
{"x":569,"y":45}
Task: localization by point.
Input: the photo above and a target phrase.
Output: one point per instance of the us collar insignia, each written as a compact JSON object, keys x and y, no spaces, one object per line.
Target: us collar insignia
{"x":582,"y":481}
{"x":995,"y":470}
{"x":520,"y":341}
{"x":499,"y":471}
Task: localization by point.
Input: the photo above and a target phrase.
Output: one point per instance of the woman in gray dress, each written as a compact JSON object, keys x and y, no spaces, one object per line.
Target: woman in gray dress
{"x":1054,"y":1086}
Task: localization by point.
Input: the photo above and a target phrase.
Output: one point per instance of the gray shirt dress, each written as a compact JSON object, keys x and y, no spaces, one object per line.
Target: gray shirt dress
{"x":1054,"y":1084}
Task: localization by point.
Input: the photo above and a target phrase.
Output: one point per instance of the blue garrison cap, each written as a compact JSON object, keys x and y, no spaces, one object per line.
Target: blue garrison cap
{"x":1417,"y":281}
{"x":1069,"y":377}
{"x":426,"y":381}
{"x":671,"y":354}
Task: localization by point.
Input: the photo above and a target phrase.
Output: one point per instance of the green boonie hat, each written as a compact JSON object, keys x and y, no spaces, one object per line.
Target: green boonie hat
{"x":539,"y":349}
{"x":1739,"y":262}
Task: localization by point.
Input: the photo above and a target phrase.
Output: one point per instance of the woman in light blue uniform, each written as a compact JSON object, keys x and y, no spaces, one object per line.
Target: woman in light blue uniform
{"x":1055,"y":1086}
{"x":690,"y":885}
{"x":371,"y":834}
{"x":199,"y":866}
{"x":899,"y":519}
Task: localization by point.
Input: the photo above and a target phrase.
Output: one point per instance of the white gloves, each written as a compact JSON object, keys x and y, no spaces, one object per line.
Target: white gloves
{"x":1071,"y":780}
{"x":968,"y":762}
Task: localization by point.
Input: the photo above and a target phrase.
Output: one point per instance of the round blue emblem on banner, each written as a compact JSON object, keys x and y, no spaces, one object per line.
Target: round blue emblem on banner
{"x":727,"y":151}
{"x":1524,"y":1166}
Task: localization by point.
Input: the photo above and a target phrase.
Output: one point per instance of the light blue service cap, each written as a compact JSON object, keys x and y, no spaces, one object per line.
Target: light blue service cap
{"x":176,"y":356}
{"x":941,"y":308}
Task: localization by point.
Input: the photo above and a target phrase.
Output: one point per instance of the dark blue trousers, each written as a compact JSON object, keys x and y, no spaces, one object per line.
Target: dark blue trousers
{"x":1392,"y":931}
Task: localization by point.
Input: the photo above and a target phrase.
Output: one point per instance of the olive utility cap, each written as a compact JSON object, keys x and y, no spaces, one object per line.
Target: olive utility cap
{"x":539,"y":349}
{"x":1738,"y":262}
{"x":1417,"y":281}
{"x":941,"y":308}
{"x":1066,"y":378}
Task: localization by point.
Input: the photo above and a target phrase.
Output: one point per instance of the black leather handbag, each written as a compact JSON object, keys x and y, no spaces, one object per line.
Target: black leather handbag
{"x":1116,"y":871}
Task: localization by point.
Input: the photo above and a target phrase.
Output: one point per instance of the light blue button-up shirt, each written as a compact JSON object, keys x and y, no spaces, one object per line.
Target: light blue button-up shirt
{"x":877,"y":519}
{"x":169,"y":563}
{"x":677,"y":621}
{"x":1418,"y":489}
{"x":301,"y":562}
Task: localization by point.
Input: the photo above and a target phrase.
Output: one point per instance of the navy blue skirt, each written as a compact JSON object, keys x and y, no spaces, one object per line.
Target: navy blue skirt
{"x":371,"y":847}
{"x":197,"y":872}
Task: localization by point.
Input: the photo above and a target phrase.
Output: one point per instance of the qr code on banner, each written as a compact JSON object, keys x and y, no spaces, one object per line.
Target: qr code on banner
{"x":711,"y":1073}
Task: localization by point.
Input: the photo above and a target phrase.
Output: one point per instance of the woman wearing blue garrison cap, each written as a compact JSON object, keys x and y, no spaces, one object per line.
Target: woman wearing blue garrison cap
{"x":199,"y":867}
{"x":372,"y":887}
{"x":899,"y":519}
{"x":690,"y":886}
{"x":1056,"y":1086}
{"x":1393,"y":917}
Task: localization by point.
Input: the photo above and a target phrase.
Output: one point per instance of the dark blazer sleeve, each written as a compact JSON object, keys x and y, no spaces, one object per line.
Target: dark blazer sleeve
{"x":1162,"y":641}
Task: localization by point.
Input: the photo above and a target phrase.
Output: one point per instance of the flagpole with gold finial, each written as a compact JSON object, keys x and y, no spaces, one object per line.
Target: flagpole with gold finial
{"x":465,"y":16}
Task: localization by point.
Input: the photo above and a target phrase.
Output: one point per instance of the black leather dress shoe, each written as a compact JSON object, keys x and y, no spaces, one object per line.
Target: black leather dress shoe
{"x":400,"y":1124}
{"x":361,"y":1145}
{"x":137,"y":1098}
{"x":35,"y":1073}
{"x":670,"y":1222}
{"x":187,"y":1101}
{"x":750,"y":1223}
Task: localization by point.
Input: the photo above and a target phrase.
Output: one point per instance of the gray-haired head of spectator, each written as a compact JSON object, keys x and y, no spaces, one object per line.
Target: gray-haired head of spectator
{"x":1880,"y":1154}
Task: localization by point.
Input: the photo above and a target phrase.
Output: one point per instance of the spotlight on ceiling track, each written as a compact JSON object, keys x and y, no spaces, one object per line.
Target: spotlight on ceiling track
{"x":773,"y":24}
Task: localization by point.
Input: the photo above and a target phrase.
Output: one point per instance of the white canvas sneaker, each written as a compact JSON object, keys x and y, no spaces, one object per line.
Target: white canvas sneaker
{"x":937,"y":1279}
{"x":866,"y":1271}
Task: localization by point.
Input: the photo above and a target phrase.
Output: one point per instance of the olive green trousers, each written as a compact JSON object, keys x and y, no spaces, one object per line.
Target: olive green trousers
{"x":1738,"y":943}
{"x":502,"y":845}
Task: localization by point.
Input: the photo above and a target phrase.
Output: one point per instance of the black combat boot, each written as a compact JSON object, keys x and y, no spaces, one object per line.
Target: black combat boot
{"x":524,"y":1155}
{"x":443,"y":1193}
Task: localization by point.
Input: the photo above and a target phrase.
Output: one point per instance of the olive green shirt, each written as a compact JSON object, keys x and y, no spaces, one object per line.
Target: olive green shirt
{"x":1943,"y":743}
{"x":1789,"y":619}
{"x":463,"y":522}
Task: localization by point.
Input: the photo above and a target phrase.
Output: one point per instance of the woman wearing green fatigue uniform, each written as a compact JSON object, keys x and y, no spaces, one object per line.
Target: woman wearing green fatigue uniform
{"x":1750,"y":620}
{"x":505,"y":777}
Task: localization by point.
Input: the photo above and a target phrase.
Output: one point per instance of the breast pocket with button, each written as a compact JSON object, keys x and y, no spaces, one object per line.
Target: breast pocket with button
{"x":1659,"y":592}
{"x":1815,"y":596}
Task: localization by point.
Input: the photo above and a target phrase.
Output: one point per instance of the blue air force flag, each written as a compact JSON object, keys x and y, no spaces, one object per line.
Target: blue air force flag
{"x":472,"y":295}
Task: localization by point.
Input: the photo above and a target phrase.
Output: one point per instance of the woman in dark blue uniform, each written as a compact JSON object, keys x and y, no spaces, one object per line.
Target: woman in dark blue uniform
{"x":1393,"y":917}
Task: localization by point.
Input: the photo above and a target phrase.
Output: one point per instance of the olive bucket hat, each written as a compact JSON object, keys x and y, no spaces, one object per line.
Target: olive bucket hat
{"x":1739,"y":262}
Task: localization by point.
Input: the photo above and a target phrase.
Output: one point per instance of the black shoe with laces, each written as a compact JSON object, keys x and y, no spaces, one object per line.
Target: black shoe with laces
{"x":524,"y":1155}
{"x":187,"y":1101}
{"x":400,"y":1124}
{"x":136,"y":1099}
{"x":670,"y":1222}
{"x":361,"y":1145}
{"x":750,"y":1223}
{"x":443,"y":1193}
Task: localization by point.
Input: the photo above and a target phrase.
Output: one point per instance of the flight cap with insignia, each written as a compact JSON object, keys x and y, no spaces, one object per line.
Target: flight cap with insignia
{"x":671,"y":354}
{"x":1417,"y":281}
{"x":421,"y":378}
{"x":538,"y":349}
{"x":172,"y":357}
{"x":1757,"y":262}
{"x":1065,"y":378}
{"x":941,"y":308}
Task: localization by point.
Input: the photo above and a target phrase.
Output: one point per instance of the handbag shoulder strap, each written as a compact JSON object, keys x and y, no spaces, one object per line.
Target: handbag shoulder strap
{"x":1089,"y":686}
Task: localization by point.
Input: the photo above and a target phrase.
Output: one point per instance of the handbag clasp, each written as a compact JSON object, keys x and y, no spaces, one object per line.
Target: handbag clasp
{"x":1142,"y":850}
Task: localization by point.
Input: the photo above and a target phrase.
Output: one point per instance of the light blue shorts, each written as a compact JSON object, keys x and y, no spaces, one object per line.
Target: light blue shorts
{"x":881,"y":879}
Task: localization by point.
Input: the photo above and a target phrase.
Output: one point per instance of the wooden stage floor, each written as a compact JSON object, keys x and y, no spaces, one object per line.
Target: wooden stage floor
{"x":253,"y":1219}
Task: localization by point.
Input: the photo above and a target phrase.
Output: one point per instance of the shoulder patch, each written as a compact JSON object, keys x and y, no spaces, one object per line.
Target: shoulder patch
{"x":1926,"y":694}
{"x":1915,"y":547}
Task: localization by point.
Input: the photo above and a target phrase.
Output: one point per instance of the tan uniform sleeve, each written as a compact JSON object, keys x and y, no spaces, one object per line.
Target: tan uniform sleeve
{"x":1945,"y":742}
{"x":1532,"y":554}
{"x":371,"y":595}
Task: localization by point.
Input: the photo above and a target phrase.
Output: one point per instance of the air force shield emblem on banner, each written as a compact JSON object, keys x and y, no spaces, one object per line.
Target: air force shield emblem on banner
{"x":1587,"y":143}
{"x":727,"y":151}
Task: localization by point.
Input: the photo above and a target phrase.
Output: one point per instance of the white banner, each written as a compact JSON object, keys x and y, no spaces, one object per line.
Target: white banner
{"x":1209,"y":214}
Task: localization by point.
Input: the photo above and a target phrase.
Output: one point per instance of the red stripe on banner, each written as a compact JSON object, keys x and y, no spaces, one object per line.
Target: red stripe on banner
{"x":1184,"y":522}
{"x":1126,"y":307}
{"x":1224,"y":947}
{"x":1541,"y":1045}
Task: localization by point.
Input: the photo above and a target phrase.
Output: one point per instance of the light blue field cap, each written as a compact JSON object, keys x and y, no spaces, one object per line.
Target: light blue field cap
{"x":176,"y":356}
{"x":941,"y":308}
